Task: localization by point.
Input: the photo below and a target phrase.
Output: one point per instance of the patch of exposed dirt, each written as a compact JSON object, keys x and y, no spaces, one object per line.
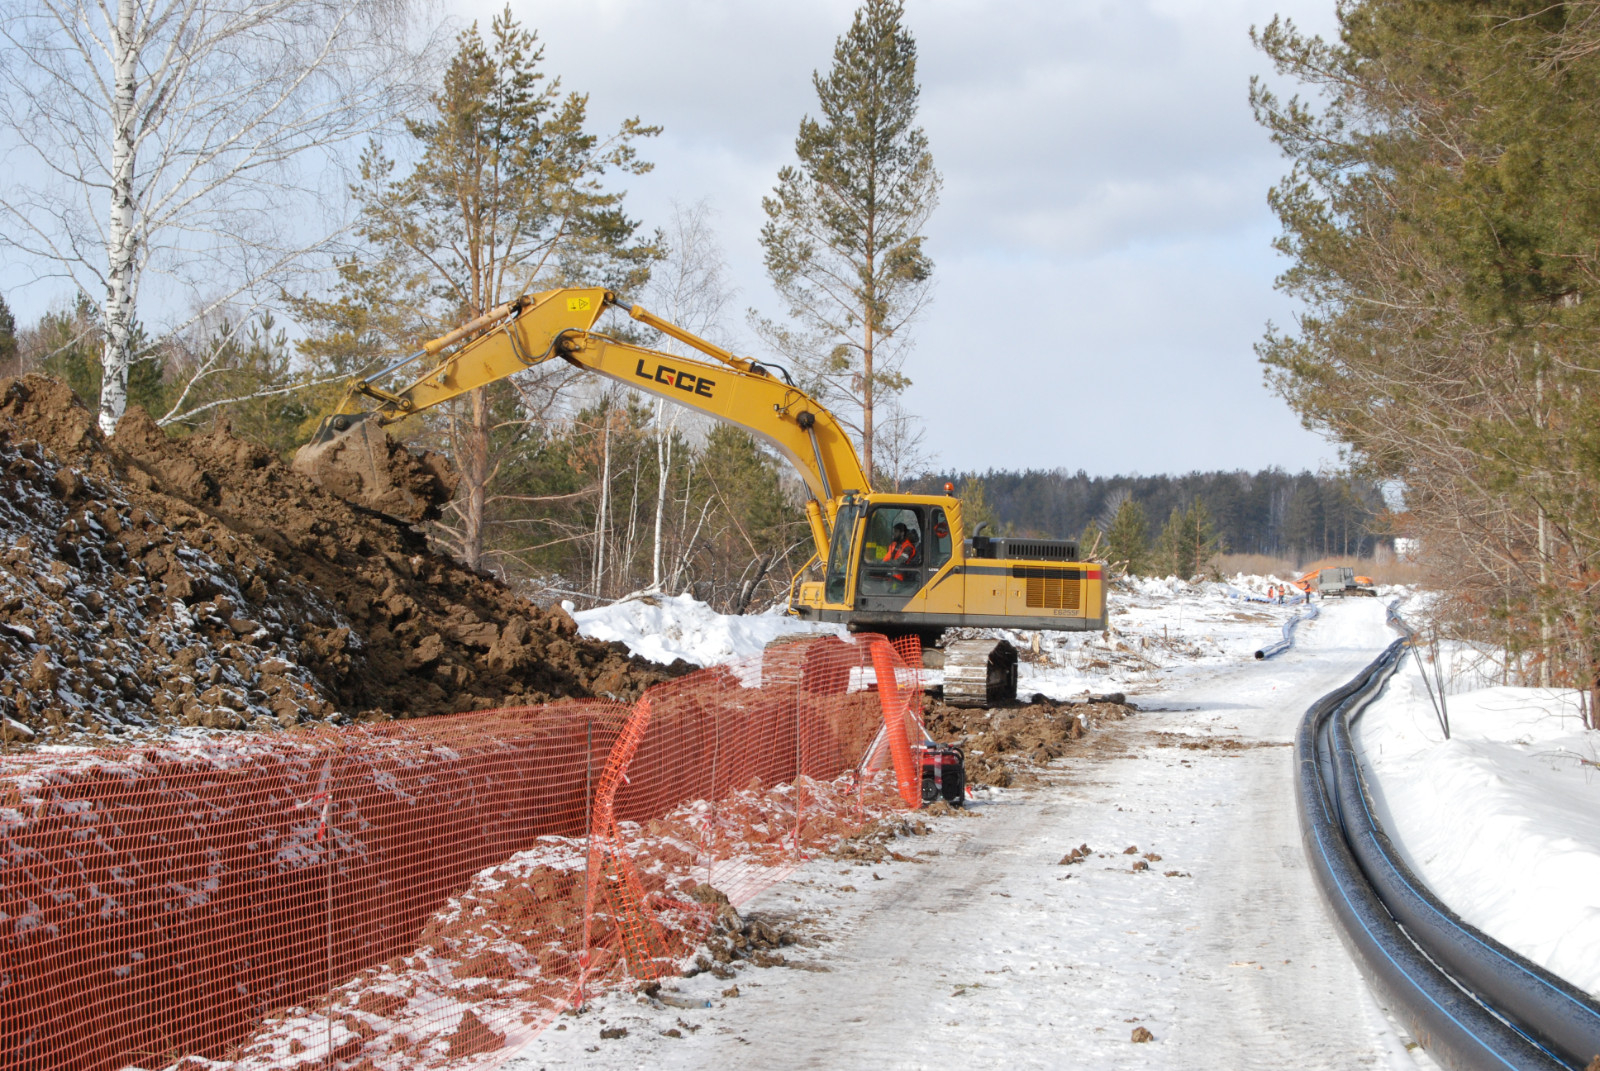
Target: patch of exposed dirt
{"x":1007,"y":746}
{"x":1210,"y":743}
{"x":873,"y":843}
{"x":147,"y":582}
{"x":737,"y":940}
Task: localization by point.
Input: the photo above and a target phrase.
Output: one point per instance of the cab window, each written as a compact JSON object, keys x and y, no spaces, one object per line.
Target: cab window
{"x":892,"y":551}
{"x":939,"y":539}
{"x":837,"y":576}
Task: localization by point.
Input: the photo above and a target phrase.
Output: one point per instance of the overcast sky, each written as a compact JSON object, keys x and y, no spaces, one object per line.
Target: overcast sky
{"x":1102,"y":248}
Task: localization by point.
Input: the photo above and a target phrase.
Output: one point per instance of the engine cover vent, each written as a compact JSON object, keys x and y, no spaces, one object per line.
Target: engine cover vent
{"x":1037,"y":550}
{"x":1050,"y":589}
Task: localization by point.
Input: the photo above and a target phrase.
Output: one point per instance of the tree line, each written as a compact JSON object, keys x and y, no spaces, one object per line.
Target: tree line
{"x":1294,"y":516}
{"x":1441,"y":219}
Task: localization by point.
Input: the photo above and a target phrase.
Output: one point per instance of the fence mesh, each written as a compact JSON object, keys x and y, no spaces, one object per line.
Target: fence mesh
{"x":423,"y":893}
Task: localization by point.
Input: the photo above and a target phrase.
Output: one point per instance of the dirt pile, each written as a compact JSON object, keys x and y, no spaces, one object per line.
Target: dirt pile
{"x":1004,"y":745}
{"x":736,"y":937}
{"x":359,"y":463}
{"x":147,"y":582}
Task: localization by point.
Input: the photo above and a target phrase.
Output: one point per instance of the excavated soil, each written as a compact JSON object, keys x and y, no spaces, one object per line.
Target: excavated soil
{"x":370,"y":469}
{"x":148,"y":582}
{"x":1007,"y":745}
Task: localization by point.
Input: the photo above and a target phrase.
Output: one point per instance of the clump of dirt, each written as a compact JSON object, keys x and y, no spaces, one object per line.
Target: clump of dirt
{"x":738,"y":939}
{"x":365,"y":466}
{"x":872,"y":843}
{"x":1075,"y":856}
{"x":148,"y":582}
{"x":1005,"y":746}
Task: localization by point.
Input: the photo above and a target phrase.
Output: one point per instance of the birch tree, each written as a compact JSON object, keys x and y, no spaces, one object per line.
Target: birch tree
{"x":169,"y":151}
{"x":691,"y":289}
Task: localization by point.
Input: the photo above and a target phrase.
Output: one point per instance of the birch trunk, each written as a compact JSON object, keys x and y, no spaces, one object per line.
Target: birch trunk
{"x":1546,"y":631}
{"x":663,"y":466}
{"x":121,"y":240}
{"x":605,"y":501}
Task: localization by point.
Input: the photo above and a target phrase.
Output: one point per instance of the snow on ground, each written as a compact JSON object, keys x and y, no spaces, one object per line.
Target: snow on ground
{"x":663,"y":628}
{"x":1499,"y":820}
{"x":1162,"y":631}
{"x":988,"y":951}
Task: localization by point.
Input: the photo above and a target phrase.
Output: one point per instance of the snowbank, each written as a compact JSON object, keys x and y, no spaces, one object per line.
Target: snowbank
{"x":1500,"y":819}
{"x":664,"y":627}
{"x":1162,"y":631}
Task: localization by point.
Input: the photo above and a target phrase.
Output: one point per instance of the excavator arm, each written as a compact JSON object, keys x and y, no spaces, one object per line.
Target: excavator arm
{"x":558,"y":324}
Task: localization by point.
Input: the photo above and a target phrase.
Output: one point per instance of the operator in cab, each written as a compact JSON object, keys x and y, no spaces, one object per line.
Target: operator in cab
{"x":902,"y":549}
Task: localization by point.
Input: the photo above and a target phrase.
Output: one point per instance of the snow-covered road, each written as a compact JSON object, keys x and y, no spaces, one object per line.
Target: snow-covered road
{"x":992,"y":954}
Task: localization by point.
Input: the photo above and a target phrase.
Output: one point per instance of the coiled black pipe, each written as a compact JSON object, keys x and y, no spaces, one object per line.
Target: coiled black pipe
{"x":1307,"y":614}
{"x":1552,"y":1012}
{"x":1454,"y":1024}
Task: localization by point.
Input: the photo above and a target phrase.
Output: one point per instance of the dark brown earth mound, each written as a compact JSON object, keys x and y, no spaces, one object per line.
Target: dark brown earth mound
{"x":149,"y":582}
{"x":1006,"y":745}
{"x":361,"y":464}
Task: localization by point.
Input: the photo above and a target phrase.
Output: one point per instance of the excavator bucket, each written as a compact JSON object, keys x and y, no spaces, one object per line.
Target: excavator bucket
{"x":353,"y":457}
{"x":980,"y":673}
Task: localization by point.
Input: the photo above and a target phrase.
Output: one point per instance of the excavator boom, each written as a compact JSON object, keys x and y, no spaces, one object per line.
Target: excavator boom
{"x":349,"y":457}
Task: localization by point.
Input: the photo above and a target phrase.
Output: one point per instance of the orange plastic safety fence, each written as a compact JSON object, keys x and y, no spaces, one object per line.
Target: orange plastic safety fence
{"x":424,"y":893}
{"x":755,"y":766}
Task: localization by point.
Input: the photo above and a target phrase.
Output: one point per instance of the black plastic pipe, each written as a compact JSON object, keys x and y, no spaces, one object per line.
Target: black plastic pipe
{"x":1555,"y":1014}
{"x":1456,"y":1028}
{"x":1289,"y":626}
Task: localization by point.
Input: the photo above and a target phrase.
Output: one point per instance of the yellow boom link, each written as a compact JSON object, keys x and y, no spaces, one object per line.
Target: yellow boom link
{"x":559,"y":323}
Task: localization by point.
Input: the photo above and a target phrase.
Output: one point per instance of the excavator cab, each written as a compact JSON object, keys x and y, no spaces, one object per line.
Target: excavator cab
{"x":869,"y":585}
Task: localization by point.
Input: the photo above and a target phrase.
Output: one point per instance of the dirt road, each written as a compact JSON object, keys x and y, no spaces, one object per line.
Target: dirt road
{"x":993,"y":954}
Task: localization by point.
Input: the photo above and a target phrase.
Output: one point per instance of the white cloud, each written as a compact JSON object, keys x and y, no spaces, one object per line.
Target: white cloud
{"x":1102,"y":246}
{"x":1103,"y":242}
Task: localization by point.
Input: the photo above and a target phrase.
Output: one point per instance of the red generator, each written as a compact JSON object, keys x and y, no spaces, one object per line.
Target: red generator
{"x":944,"y":775}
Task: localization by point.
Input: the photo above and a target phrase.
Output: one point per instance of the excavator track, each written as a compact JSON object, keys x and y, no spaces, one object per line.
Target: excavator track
{"x":980,"y":673}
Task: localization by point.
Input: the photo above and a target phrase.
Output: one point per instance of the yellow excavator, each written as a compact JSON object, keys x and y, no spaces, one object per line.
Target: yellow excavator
{"x":893,"y":563}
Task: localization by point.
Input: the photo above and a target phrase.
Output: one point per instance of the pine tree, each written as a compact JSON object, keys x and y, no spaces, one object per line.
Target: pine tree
{"x":507,"y":196}
{"x":8,"y":340}
{"x":1441,"y":221}
{"x":748,"y":530}
{"x":975,"y":508}
{"x":843,"y":238}
{"x":1128,"y":538}
{"x":1188,"y":540}
{"x":72,"y":343}
{"x":253,"y":386}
